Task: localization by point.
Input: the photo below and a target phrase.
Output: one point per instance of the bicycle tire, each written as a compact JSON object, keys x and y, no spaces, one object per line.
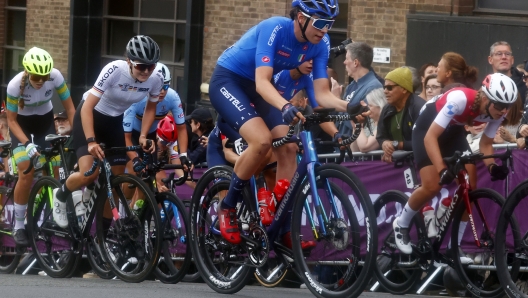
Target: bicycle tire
{"x":9,"y":257}
{"x":393,"y":278}
{"x":484,"y":282}
{"x":96,"y":259}
{"x":175,"y":241}
{"x":262,"y":274}
{"x":348,"y":279}
{"x":514,"y":284}
{"x":223,"y":277}
{"x":192,"y":273}
{"x":137,"y":243}
{"x":53,"y":253}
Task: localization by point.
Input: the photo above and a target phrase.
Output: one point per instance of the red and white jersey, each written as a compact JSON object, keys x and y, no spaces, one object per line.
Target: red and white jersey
{"x":454,"y":108}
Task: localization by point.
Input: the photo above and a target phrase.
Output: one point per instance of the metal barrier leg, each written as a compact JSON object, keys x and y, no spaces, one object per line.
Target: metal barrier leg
{"x":428,"y":281}
{"x":30,"y":266}
{"x":377,"y":284}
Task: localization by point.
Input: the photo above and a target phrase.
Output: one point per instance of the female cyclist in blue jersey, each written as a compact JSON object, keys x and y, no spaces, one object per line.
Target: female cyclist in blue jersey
{"x":241,"y":91}
{"x":99,"y":117}
{"x":30,"y":119}
{"x":168,"y":100}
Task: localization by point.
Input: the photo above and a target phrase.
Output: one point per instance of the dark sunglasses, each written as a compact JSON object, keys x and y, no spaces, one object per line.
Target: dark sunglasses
{"x":320,"y":24}
{"x":499,"y":106}
{"x":389,"y":87}
{"x":143,"y":66}
{"x":165,"y":87}
{"x":38,"y":78}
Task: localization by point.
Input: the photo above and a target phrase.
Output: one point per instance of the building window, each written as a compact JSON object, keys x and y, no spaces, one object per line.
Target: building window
{"x":502,"y":6}
{"x":163,"y":20}
{"x":14,"y":42}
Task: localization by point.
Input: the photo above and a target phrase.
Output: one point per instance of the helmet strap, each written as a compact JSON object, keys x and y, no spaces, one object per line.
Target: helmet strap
{"x":303,"y":28}
{"x":487,"y":109}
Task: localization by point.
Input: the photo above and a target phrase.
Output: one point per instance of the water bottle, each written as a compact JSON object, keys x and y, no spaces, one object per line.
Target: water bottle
{"x":264,"y":196}
{"x":280,"y":189}
{"x":80,"y":209}
{"x":138,"y":206}
{"x":440,"y":213}
{"x":429,"y":217}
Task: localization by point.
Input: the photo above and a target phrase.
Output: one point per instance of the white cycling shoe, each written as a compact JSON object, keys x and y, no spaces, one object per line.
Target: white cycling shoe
{"x":59,"y":211}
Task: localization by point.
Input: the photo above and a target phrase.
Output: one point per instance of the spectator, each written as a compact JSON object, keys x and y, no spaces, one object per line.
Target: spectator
{"x":501,"y":60}
{"x":426,"y":70}
{"x":432,"y":87}
{"x":63,"y":128}
{"x":367,"y":139}
{"x":473,"y":138}
{"x":398,"y":116}
{"x":4,"y":131}
{"x":201,"y":122}
{"x":452,"y":69}
{"x":416,"y":82}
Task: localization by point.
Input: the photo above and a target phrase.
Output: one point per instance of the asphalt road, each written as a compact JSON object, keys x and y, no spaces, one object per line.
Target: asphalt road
{"x":35,"y":286}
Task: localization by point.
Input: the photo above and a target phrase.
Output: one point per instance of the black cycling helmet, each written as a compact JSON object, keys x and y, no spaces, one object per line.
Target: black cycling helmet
{"x":143,"y":49}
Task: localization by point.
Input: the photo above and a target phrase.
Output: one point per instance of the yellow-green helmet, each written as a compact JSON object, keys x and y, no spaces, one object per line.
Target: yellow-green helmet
{"x":37,"y":61}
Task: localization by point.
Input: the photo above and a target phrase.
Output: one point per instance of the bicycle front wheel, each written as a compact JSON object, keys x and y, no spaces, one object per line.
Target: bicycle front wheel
{"x":131,"y":244}
{"x":9,"y":257}
{"x":340,"y":220}
{"x":478,"y":243}
{"x":51,"y":244}
{"x":176,"y":252}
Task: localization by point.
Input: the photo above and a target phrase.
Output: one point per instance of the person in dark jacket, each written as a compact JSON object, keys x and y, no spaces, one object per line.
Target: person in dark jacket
{"x":202,"y":124}
{"x":398,"y":116}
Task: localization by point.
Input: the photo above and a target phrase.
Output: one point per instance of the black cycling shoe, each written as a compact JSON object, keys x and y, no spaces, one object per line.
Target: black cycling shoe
{"x":20,"y":237}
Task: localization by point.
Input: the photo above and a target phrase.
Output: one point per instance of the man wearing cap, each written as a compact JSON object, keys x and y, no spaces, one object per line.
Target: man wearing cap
{"x":398,"y":116}
{"x":201,"y":121}
{"x":63,"y":128}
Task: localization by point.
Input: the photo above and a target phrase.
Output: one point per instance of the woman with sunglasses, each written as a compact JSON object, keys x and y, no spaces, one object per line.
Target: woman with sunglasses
{"x":99,"y":117}
{"x":242,"y":92}
{"x":168,"y":100}
{"x":441,"y":126}
{"x":30,"y":119}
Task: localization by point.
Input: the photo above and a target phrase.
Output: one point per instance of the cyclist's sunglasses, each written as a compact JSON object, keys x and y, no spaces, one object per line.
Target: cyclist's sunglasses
{"x":499,"y":106}
{"x":165,"y":87}
{"x":38,"y":78}
{"x":143,"y":66}
{"x":320,"y":24}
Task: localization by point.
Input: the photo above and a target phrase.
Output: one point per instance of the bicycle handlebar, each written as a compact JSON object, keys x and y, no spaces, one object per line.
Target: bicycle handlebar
{"x":460,"y":158}
{"x":115,"y":150}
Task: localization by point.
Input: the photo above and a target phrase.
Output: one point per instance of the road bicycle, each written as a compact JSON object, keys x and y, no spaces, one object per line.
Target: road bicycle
{"x":330,"y":206}
{"x":129,"y":239}
{"x":398,"y":272}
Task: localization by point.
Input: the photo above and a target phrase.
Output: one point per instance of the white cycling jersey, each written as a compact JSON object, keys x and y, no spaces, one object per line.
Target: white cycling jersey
{"x":36,"y":102}
{"x":118,"y":90}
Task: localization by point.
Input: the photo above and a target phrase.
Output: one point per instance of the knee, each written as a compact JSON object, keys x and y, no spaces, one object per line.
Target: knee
{"x":431,"y":188}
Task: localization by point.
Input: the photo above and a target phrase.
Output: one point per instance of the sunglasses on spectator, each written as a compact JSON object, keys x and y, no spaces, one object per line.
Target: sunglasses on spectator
{"x":143,"y":66}
{"x":499,"y":106}
{"x":389,"y":87}
{"x":38,"y":78}
{"x":432,"y":87}
{"x":165,"y":87}
{"x":320,"y":24}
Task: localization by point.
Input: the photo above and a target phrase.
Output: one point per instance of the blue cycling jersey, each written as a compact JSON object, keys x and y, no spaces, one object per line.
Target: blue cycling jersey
{"x":272,"y":43}
{"x":288,"y":87}
{"x":133,"y":115}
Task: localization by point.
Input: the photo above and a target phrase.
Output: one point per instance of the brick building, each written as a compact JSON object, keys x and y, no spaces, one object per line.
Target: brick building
{"x":82,"y":35}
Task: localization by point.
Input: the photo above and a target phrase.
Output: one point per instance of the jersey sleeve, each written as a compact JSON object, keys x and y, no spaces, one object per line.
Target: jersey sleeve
{"x":491,"y":128}
{"x":177,"y":108}
{"x":156,"y":87}
{"x":455,"y":105}
{"x":107,"y":78}
{"x":269,"y":35}
{"x":308,"y":86}
{"x":128,"y":118}
{"x":13,"y":93}
{"x":60,"y":84}
{"x":320,"y":60}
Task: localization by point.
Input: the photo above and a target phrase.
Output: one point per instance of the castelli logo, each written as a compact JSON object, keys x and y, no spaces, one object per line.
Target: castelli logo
{"x":265,"y":59}
{"x":305,"y":47}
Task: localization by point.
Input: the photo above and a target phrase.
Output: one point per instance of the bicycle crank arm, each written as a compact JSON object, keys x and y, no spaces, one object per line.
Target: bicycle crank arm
{"x":250,"y":243}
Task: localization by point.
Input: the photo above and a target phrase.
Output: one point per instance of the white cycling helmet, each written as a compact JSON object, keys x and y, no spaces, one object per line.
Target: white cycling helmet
{"x":499,"y":88}
{"x":164,"y":71}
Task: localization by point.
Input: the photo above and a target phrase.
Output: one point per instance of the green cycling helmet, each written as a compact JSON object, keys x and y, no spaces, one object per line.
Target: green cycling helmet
{"x":37,"y":61}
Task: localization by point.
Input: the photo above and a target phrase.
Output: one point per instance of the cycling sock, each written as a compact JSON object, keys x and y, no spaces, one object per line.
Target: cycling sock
{"x":20,"y":216}
{"x":406,"y":216}
{"x":63,"y":193}
{"x":235,"y":190}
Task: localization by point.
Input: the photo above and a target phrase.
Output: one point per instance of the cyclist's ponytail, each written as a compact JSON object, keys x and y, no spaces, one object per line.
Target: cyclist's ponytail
{"x":475,"y":107}
{"x":23,"y":82}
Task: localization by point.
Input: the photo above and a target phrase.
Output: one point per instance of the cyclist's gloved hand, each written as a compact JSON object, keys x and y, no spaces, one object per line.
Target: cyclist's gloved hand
{"x":289,"y":112}
{"x":185,"y":161}
{"x":446,"y":176}
{"x":498,"y":172}
{"x":137,"y":164}
{"x":31,"y":149}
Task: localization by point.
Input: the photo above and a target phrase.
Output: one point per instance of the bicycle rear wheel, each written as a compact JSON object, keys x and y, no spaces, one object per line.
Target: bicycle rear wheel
{"x":221,"y":265}
{"x":512,"y":240}
{"x":397,"y":272}
{"x":9,"y":257}
{"x":132,"y":244}
{"x":479,"y":278}
{"x":176,"y":252}
{"x":342,"y":262}
{"x":51,"y":244}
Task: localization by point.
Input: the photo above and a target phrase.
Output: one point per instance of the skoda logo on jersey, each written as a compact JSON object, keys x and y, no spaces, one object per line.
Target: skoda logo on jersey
{"x":265,"y":59}
{"x":143,"y":89}
{"x":48,"y":93}
{"x":451,"y":109}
